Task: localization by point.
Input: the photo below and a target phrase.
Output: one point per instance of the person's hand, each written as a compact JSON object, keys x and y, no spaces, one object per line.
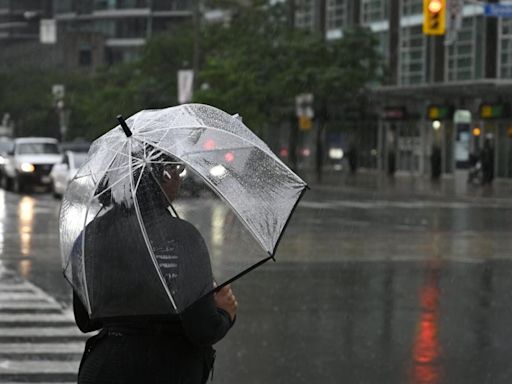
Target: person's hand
{"x":224,"y":299}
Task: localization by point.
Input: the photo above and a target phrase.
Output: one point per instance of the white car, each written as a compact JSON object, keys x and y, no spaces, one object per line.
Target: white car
{"x":64,"y":172}
{"x":30,"y":161}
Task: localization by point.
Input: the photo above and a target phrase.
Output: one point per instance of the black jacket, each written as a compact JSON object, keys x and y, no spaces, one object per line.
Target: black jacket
{"x":147,"y":343}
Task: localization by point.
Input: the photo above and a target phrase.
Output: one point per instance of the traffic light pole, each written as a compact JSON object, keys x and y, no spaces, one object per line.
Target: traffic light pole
{"x":491,"y":45}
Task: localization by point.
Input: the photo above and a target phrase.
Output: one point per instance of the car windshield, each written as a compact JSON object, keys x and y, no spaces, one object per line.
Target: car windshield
{"x":37,"y":148}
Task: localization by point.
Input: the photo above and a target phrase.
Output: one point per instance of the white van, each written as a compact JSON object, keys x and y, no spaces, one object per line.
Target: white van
{"x":30,"y":162}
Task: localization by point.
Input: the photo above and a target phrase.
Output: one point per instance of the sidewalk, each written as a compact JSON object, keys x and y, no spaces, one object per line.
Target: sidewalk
{"x":405,"y":185}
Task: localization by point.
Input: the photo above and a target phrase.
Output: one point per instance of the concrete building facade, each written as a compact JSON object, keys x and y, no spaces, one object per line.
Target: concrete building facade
{"x":88,"y":33}
{"x":430,"y":78}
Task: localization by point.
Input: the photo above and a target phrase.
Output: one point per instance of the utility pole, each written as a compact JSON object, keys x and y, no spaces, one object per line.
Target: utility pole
{"x":294,"y":130}
{"x":196,"y":20}
{"x":321,"y":27}
{"x":320,"y":132}
{"x":491,"y":45}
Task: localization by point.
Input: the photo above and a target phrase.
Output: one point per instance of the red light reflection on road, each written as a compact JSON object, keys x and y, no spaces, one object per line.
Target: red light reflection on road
{"x":426,"y":349}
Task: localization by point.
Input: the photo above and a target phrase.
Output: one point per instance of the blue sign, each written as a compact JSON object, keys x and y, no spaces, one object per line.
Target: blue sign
{"x":498,"y":10}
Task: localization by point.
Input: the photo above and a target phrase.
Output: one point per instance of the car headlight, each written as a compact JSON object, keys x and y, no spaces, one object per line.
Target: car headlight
{"x":27,"y":167}
{"x":218,"y":171}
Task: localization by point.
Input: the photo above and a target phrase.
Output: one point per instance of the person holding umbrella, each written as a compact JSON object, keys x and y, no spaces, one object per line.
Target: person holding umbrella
{"x":141,"y":273}
{"x":148,"y":348}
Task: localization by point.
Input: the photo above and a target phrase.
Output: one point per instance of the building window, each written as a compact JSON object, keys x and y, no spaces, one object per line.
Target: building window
{"x":85,"y":56}
{"x":120,"y":4}
{"x":460,"y":55}
{"x":383,"y":46}
{"x":412,"y":7}
{"x":122,"y":28}
{"x":505,"y":42}
{"x":412,"y":56}
{"x":63,"y":6}
{"x":373,"y":10}
{"x":337,"y":15}
{"x":305,"y":14}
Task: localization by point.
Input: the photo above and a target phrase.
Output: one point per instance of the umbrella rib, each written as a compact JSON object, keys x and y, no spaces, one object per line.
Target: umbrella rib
{"x":145,"y":236}
{"x":140,"y":177}
{"x":247,"y":225}
{"x":251,"y":143}
{"x":144,"y":141}
{"x":165,"y":194}
{"x":117,"y":182}
{"x":91,"y":174}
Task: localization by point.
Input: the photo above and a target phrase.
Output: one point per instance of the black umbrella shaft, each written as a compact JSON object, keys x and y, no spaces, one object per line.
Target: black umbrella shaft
{"x":218,"y":288}
{"x":126,"y":130}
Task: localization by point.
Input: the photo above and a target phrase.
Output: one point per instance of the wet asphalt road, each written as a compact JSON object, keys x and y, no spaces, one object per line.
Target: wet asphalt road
{"x":368,"y":288}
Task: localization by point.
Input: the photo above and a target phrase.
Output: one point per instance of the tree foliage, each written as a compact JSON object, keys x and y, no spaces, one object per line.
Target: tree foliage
{"x":254,"y":66}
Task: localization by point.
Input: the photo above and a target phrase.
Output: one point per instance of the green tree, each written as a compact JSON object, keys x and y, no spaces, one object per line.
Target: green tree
{"x":26,"y":95}
{"x":256,"y":66}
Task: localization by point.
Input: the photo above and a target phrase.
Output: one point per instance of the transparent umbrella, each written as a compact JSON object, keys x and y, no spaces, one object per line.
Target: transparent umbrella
{"x":167,"y":203}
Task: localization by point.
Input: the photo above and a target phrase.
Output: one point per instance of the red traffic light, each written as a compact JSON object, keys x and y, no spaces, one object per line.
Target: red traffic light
{"x":209,"y":144}
{"x":435,"y":6}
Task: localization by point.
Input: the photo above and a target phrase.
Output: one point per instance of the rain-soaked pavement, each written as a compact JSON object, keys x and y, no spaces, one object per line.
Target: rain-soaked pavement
{"x":372,"y":285}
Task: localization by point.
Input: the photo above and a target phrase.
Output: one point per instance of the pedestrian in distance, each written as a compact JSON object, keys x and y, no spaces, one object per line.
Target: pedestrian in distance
{"x":391,"y":163}
{"x":352,"y":158}
{"x":151,"y":348}
{"x":487,"y":158}
{"x":435,"y":163}
{"x":475,"y":168}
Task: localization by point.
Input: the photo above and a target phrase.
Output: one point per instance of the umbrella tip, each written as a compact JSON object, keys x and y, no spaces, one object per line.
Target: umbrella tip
{"x":237,"y":116}
{"x":126,"y":130}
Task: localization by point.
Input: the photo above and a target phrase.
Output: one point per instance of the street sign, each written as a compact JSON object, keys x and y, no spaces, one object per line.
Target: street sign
{"x":48,"y":31}
{"x":498,"y":10}
{"x":494,"y":111}
{"x":185,"y":85}
{"x":462,"y":116}
{"x":440,"y":112}
{"x":305,"y":123}
{"x":394,"y":113}
{"x":454,"y":20}
{"x":304,"y":105}
{"x":58,"y":91}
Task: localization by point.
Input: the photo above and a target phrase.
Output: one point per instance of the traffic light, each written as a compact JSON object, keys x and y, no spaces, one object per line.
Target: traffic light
{"x":434,"y":17}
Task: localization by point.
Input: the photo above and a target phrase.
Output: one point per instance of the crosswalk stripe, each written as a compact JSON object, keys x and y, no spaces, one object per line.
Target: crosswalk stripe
{"x":24,"y":367}
{"x":40,"y":331}
{"x":33,"y":348}
{"x":39,"y":341}
{"x":35,"y":317}
{"x":6,"y":296}
{"x":29,"y":305}
{"x":20,"y":286}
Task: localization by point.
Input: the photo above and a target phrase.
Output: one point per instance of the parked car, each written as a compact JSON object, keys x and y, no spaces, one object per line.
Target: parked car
{"x":30,"y":161}
{"x":64,"y":172}
{"x":5,"y":147}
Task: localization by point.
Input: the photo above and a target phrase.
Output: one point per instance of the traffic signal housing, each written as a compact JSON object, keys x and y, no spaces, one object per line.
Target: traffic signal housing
{"x":434,"y":17}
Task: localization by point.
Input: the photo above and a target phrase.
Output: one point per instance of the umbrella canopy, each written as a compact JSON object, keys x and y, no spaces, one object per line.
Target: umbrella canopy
{"x":133,"y":244}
